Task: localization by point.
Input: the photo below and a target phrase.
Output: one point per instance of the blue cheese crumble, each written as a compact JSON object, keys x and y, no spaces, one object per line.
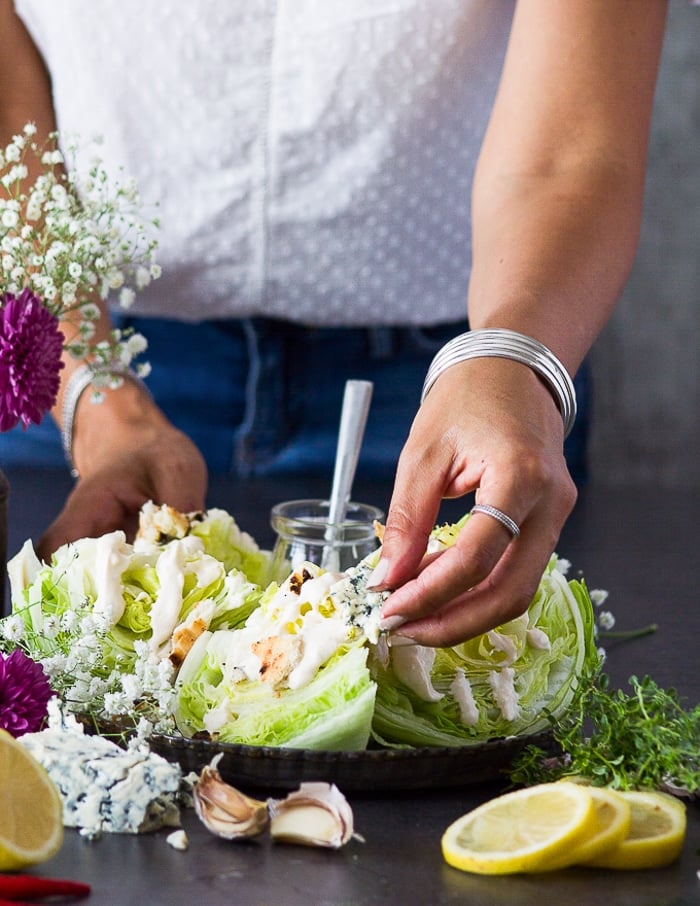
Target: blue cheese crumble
{"x":360,"y":606}
{"x":105,"y":788}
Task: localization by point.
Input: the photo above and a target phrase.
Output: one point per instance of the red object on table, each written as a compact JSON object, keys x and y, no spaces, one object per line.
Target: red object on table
{"x":23,"y":888}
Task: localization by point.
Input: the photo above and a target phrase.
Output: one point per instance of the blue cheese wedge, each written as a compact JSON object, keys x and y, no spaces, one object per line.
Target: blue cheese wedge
{"x":104,"y":788}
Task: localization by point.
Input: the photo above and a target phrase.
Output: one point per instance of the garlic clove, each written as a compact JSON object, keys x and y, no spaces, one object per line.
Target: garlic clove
{"x":224,"y":810}
{"x":178,"y":840}
{"x":317,"y":814}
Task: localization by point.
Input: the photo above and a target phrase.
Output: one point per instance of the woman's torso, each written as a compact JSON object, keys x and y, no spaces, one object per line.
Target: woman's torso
{"x":312,"y":159}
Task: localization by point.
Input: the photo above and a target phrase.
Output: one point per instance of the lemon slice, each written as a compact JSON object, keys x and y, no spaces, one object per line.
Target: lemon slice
{"x":656,"y":833}
{"x":31,"y":812}
{"x":521,"y":831}
{"x":613,"y":821}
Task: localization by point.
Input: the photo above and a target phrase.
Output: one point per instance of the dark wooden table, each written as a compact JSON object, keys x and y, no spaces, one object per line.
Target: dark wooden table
{"x":639,"y":545}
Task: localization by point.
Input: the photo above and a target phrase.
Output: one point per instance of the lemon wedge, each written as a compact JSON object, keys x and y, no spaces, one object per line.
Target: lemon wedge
{"x":31,"y":824}
{"x":613,"y":821}
{"x":521,"y":831}
{"x":656,"y":834}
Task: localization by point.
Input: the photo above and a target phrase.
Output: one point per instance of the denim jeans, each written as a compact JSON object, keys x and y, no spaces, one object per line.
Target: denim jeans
{"x":263,"y":397}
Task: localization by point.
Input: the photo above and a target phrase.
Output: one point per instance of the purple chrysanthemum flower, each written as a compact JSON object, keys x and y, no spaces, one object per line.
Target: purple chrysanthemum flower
{"x":24,"y":693}
{"x":30,"y":359}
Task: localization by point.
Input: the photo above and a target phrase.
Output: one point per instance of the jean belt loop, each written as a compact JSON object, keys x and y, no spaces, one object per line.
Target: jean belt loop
{"x":381,"y":342}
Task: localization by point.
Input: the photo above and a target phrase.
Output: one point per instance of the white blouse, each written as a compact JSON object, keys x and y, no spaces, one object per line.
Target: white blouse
{"x":311,"y":159}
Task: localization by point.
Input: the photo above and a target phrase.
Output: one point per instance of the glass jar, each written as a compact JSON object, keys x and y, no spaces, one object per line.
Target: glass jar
{"x":304,"y":534}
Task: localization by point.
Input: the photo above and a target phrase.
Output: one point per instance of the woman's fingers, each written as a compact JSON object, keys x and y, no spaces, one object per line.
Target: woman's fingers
{"x":449,"y":604}
{"x":512,"y":456}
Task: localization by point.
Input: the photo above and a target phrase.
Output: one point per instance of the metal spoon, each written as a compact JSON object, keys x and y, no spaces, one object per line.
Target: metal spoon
{"x":353,"y":418}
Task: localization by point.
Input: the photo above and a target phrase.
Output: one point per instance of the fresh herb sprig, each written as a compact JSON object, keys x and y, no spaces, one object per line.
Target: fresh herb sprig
{"x":645,"y":739}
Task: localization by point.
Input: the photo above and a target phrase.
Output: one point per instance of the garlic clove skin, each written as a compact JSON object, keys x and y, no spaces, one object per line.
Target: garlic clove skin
{"x":317,"y":814}
{"x":224,"y":810}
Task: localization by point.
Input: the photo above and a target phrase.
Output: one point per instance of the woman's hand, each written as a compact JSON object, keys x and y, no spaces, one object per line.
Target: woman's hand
{"x":126,"y":452}
{"x":492,"y":426}
{"x":556,"y":208}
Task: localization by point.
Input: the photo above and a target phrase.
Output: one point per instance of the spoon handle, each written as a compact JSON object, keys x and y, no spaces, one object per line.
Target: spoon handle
{"x":353,"y":418}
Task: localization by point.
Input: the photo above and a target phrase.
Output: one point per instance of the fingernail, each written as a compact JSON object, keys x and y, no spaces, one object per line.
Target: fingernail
{"x":396,"y":640}
{"x":386,"y":624}
{"x":378,"y":575}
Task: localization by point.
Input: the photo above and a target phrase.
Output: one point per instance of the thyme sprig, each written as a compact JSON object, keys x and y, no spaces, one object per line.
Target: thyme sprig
{"x":645,"y":739}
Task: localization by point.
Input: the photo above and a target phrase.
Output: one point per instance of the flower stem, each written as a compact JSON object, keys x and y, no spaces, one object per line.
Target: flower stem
{"x":628,"y":633}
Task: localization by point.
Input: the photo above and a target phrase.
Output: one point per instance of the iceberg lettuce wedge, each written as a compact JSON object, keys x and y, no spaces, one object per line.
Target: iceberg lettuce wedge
{"x":502,"y":683}
{"x":133,"y":606}
{"x":295,"y":675}
{"x":225,"y":541}
{"x":333,"y":711}
{"x":302,"y":663}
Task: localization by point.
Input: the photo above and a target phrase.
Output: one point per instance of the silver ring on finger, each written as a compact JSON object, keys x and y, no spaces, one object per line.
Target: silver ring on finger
{"x":502,"y":517}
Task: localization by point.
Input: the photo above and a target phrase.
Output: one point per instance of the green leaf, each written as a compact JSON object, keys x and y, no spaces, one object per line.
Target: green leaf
{"x":644,"y":739}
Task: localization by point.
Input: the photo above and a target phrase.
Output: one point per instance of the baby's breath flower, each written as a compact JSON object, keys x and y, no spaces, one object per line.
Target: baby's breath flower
{"x":10,"y":218}
{"x":143,"y":369}
{"x":68,"y":293}
{"x":599,"y":596}
{"x":51,"y":626}
{"x":54,"y":665}
{"x":136,"y":344}
{"x":66,"y":236}
{"x":131,"y":687}
{"x":127,"y":297}
{"x":143,"y":277}
{"x":90,"y":311}
{"x":12,"y":628}
{"x":69,"y":621}
{"x":144,"y":729}
{"x":115,"y":279}
{"x":88,"y":625}
{"x":606,"y":620}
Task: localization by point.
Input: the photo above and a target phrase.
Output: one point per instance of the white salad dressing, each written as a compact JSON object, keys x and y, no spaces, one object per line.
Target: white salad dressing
{"x":502,"y":684}
{"x":412,"y":665}
{"x":299,"y":612}
{"x":302,"y":611}
{"x":236,"y":656}
{"x":207,"y":569}
{"x":462,"y":693}
{"x":170,"y":569}
{"x":215,"y":719}
{"x":501,"y":642}
{"x":112,"y":557}
{"x":538,"y":639}
{"x":321,"y":637}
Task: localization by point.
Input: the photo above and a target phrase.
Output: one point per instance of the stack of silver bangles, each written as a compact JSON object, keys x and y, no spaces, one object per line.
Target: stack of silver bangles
{"x":509,"y":344}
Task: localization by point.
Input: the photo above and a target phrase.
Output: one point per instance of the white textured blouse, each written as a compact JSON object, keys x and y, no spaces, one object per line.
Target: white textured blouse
{"x":312,"y":159}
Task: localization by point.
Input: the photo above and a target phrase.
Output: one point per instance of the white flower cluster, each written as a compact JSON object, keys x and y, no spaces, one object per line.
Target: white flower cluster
{"x":89,"y":681}
{"x":71,"y":238}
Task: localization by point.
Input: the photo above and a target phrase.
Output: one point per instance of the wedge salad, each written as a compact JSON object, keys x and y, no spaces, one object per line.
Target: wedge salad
{"x":187,"y":631}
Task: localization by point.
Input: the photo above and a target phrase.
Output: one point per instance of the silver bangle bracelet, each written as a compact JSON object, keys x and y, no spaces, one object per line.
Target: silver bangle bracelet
{"x":77,"y":384}
{"x":509,"y":344}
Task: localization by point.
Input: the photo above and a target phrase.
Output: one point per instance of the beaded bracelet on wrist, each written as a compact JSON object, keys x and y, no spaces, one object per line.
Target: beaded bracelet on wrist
{"x":77,"y":384}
